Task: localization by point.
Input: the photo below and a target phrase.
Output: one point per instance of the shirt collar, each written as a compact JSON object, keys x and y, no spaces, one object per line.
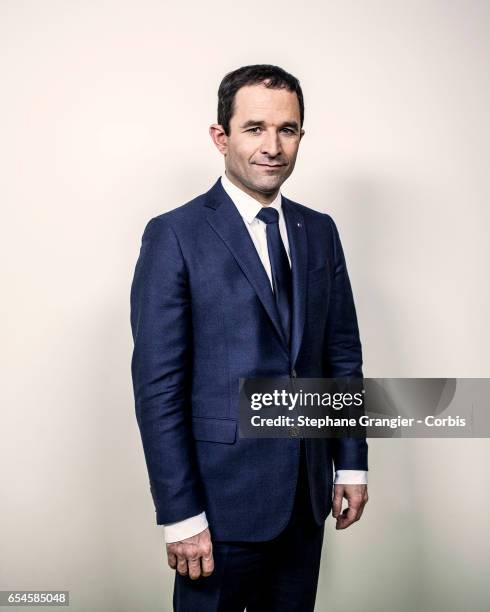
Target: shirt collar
{"x":247,"y":206}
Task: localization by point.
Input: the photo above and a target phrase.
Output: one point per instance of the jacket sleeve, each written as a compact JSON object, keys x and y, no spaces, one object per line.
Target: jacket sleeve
{"x":161,"y":372}
{"x":343,"y":352}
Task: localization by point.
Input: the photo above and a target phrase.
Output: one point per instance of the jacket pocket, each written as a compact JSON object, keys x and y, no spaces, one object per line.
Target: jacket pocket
{"x":214,"y":430}
{"x":318,"y":273}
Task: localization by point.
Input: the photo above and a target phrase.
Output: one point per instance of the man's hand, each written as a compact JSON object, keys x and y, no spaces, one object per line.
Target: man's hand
{"x":193,"y":556}
{"x":357,"y":497}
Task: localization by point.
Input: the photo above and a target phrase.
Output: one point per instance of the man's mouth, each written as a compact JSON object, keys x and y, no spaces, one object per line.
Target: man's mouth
{"x":271,"y":165}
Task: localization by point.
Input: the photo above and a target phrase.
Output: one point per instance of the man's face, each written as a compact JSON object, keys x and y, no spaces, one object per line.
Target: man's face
{"x":260,"y":152}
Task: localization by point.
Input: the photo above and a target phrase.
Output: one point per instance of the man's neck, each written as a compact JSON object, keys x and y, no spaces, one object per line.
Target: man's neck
{"x":264,"y":199}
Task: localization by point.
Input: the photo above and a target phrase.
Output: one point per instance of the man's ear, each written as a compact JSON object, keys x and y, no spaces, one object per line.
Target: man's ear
{"x":218,"y":136}
{"x":301,"y":134}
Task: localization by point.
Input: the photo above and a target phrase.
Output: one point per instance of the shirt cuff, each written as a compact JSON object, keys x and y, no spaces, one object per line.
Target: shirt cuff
{"x":350,"y":477}
{"x":175,"y":532}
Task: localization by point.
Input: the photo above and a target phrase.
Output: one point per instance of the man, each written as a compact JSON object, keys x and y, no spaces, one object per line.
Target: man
{"x":243,"y":282}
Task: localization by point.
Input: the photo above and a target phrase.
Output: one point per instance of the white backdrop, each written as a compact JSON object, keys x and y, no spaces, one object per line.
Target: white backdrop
{"x":105,"y":108}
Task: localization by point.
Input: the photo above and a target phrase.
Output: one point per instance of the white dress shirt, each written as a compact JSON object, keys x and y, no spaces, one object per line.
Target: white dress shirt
{"x":248,"y":208}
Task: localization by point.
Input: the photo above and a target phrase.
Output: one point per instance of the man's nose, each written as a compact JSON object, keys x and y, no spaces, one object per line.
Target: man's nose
{"x":271,"y":145}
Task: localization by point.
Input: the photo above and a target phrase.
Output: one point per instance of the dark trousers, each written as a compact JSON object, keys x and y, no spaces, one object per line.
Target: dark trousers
{"x":280,"y":575}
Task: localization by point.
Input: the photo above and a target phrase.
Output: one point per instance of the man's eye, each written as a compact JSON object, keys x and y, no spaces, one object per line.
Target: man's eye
{"x":256,"y":130}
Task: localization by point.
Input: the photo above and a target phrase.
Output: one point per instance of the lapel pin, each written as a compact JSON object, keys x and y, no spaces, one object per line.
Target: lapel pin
{"x":299,"y":225}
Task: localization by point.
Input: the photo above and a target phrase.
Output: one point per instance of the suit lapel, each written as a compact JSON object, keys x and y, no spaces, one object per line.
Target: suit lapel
{"x":226,"y":221}
{"x":299,"y":259}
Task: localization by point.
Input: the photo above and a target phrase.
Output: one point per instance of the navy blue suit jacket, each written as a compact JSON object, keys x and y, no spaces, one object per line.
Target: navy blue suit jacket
{"x":203,"y":315}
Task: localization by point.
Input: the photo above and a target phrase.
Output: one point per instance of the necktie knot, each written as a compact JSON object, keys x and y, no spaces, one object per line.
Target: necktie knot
{"x":268,"y":215}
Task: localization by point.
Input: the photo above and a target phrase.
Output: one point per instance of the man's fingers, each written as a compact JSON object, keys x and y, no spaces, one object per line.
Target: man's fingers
{"x":348,"y":516}
{"x":353,"y":513}
{"x":337,"y":502}
{"x":358,"y":504}
{"x":194,"y":565}
{"x":172,"y":560}
{"x":361,"y":509}
{"x":192,"y":556}
{"x":181,"y":565}
{"x":207,"y":563}
{"x":357,"y":498}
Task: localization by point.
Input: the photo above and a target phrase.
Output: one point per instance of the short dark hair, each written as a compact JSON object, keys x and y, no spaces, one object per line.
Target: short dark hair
{"x":276,"y":78}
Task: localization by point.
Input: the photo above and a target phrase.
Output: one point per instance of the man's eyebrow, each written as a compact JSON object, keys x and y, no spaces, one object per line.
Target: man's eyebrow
{"x":251,"y":123}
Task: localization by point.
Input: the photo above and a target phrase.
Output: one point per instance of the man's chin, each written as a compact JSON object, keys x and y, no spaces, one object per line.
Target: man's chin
{"x":267,"y":184}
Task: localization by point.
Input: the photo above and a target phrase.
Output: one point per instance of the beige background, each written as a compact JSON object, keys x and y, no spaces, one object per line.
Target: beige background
{"x":105,"y":108}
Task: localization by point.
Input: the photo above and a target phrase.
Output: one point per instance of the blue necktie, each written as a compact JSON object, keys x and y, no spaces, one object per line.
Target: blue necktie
{"x":281,"y":271}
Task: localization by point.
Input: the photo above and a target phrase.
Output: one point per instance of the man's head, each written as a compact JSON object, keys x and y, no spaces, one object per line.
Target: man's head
{"x":260,"y":120}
